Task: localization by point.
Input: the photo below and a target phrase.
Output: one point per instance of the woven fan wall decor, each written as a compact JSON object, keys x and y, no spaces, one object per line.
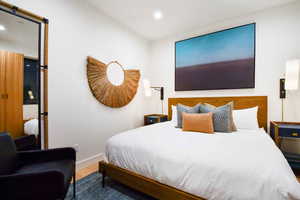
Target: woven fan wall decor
{"x":104,"y":91}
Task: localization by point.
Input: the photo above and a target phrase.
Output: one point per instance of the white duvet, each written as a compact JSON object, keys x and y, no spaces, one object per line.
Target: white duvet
{"x":31,"y":127}
{"x":240,"y":165}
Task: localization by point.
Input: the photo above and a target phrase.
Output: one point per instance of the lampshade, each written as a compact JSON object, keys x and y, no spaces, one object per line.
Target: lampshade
{"x":147,"y":88}
{"x":292,"y":74}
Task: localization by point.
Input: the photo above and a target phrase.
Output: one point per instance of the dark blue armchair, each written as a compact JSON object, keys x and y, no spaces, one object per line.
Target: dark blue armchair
{"x":35,"y":175}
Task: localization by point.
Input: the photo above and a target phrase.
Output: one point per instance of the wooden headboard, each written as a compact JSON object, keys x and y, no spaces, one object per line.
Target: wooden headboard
{"x":239,"y":103}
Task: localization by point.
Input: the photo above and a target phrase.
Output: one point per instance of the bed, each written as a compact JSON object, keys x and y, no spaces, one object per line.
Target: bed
{"x":166,"y":163}
{"x":31,"y":127}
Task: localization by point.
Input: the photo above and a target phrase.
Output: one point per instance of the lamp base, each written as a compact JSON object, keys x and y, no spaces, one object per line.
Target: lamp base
{"x":282,"y":110}
{"x":282,"y":89}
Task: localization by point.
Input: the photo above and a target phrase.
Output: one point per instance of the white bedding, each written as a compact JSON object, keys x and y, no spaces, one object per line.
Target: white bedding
{"x":240,"y":165}
{"x":31,"y":127}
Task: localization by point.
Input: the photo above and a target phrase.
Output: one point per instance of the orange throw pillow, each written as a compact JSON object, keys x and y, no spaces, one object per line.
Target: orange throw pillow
{"x":198,"y":122}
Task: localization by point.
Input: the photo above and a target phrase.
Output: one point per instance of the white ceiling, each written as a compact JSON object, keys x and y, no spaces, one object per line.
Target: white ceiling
{"x":20,"y":36}
{"x":179,"y":15}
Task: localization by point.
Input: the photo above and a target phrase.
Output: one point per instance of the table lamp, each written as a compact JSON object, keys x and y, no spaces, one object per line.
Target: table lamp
{"x":291,"y":81}
{"x":148,"y":92}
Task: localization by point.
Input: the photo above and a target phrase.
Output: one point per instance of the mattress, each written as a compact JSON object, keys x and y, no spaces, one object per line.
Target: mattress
{"x":242,"y":165}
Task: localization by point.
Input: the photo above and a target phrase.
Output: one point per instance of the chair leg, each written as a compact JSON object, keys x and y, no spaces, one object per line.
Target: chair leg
{"x":103,"y":179}
{"x":74,"y":184}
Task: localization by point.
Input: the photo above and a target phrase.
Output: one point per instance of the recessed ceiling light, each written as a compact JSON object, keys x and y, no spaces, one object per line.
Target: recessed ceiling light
{"x":157,"y":15}
{"x":2,"y":28}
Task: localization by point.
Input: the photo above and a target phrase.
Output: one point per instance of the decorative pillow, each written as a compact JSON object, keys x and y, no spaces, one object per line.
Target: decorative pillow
{"x":174,"y":115}
{"x":246,"y":118}
{"x":231,"y":103}
{"x":222,"y":117}
{"x":198,"y":122}
{"x":182,"y":108}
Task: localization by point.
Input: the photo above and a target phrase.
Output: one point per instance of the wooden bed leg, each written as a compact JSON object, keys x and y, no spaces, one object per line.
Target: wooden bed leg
{"x":102,"y":171}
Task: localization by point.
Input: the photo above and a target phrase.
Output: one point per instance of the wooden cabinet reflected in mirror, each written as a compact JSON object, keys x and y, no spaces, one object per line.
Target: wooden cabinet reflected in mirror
{"x":23,"y":75}
{"x":11,"y":103}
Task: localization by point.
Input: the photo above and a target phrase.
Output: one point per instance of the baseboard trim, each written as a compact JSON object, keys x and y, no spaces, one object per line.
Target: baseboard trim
{"x":88,"y":161}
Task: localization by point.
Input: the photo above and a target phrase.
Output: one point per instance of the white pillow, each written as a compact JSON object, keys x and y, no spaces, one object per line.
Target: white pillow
{"x":31,"y":127}
{"x":246,"y":118}
{"x":174,"y":115}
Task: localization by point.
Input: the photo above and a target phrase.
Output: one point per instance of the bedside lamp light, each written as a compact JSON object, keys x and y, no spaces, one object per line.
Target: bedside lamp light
{"x":148,"y":92}
{"x":30,"y":94}
{"x":147,"y":88}
{"x":291,"y":81}
{"x":292,"y":75}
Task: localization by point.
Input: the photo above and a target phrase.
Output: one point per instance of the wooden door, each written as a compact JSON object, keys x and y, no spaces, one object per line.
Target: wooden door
{"x":14,"y":76}
{"x":2,"y":92}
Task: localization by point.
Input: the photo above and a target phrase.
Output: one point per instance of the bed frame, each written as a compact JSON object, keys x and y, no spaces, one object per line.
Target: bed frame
{"x":165,"y":192}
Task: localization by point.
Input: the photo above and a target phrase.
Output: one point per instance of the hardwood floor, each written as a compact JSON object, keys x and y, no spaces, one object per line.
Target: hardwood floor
{"x":86,"y":171}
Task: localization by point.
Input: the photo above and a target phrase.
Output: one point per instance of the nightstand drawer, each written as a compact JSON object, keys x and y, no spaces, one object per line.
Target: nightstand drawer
{"x":289,"y":132}
{"x":154,"y":118}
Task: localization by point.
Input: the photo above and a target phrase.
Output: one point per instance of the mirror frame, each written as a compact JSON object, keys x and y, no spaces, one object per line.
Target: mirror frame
{"x":14,"y":10}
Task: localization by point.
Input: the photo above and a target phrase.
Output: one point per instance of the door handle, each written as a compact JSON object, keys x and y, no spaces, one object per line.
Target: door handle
{"x":4,"y":96}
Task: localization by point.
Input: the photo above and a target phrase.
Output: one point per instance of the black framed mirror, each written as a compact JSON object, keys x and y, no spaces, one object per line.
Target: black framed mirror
{"x":23,"y":81}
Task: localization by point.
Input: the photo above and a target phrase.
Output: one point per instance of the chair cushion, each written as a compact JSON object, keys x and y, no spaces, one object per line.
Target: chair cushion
{"x":66,"y":167}
{"x":8,"y":154}
{"x":26,"y":143}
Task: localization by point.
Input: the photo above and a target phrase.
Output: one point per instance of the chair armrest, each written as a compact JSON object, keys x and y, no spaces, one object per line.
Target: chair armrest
{"x":29,"y":157}
{"x":48,"y":184}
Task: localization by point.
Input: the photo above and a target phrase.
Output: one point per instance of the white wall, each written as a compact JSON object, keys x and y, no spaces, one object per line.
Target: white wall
{"x":277,"y":40}
{"x":17,"y":48}
{"x":77,"y":30}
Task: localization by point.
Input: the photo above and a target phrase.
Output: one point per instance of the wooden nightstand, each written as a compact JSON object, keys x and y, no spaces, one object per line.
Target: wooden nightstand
{"x":279,"y":130}
{"x":154,"y":118}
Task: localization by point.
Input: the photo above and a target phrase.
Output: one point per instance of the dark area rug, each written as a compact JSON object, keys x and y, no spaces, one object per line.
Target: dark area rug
{"x":90,"y":188}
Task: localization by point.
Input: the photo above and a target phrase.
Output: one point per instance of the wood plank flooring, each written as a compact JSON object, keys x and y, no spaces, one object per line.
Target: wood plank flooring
{"x":86,"y":171}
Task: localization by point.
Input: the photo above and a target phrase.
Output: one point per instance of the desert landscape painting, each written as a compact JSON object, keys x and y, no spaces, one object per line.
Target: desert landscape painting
{"x":220,"y":60}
